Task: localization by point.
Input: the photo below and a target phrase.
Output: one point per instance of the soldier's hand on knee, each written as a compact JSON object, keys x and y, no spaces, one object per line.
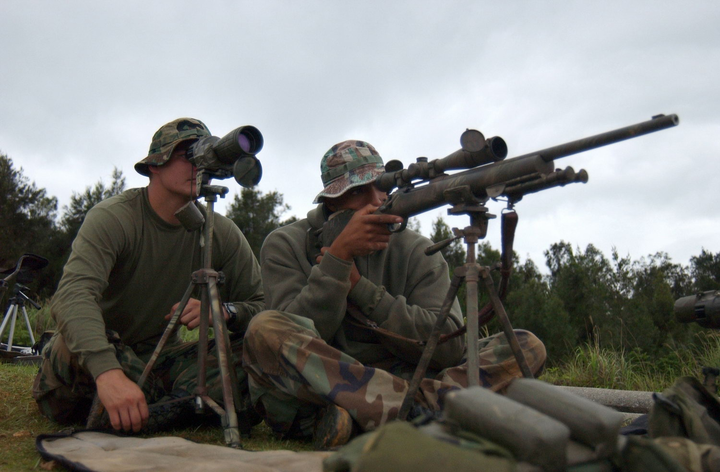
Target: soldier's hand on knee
{"x":123,"y":399}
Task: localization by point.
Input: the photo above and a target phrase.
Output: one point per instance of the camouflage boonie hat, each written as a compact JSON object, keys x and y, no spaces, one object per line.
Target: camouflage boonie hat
{"x":346,"y":165}
{"x":166,"y":138}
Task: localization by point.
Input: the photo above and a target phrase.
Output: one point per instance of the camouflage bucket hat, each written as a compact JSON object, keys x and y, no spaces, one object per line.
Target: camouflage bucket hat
{"x":166,"y":138}
{"x":346,"y":165}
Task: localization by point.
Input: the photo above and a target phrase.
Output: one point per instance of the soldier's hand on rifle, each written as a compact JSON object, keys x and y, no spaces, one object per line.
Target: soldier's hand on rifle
{"x":190,"y":316}
{"x":123,"y":400}
{"x":364,"y":234}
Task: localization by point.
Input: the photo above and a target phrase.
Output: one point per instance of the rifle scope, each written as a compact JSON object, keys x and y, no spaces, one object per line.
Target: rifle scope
{"x":475,"y":151}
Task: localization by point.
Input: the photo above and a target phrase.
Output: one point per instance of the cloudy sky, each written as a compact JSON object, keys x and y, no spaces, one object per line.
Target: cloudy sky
{"x":85,"y":84}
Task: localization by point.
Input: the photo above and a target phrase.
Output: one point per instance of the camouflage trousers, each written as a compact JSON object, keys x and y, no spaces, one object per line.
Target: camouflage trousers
{"x":64,"y":390}
{"x":293,"y":373}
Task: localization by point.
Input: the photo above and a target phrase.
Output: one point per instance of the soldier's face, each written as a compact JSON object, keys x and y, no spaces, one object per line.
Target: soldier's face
{"x":177,"y":175}
{"x":357,"y":198}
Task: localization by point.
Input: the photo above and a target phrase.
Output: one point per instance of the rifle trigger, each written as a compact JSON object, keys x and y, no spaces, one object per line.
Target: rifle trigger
{"x":397,"y":227}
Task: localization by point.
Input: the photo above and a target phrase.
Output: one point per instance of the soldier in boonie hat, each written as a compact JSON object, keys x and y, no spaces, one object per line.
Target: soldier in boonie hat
{"x":346,"y":165}
{"x":167,"y":138}
{"x":129,"y":266}
{"x":340,"y":268}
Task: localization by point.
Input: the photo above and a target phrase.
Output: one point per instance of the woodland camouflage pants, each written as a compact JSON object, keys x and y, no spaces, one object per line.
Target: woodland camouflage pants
{"x":64,"y":390}
{"x":293,"y":373}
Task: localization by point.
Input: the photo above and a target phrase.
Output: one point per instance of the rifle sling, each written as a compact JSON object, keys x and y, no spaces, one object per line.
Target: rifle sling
{"x":361,"y":321}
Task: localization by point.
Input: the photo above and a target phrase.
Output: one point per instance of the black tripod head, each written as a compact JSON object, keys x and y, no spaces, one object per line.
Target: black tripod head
{"x":24,"y":271}
{"x":19,"y":298}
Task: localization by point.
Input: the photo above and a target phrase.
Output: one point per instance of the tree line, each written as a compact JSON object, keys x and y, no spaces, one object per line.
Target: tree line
{"x":585,"y":297}
{"x":623,"y":304}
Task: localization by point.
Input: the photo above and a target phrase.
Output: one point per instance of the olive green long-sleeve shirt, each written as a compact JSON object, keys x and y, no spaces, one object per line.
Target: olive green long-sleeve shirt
{"x":128,"y":267}
{"x":400,"y":288}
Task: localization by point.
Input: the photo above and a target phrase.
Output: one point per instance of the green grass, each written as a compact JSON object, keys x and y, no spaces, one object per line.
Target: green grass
{"x":20,"y":420}
{"x":594,"y":366}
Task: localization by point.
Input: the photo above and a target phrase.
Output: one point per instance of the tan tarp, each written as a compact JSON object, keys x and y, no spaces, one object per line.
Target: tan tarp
{"x":105,"y":452}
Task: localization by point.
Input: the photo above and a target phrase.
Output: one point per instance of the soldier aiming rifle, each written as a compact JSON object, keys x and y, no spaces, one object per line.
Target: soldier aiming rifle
{"x":354,"y":303}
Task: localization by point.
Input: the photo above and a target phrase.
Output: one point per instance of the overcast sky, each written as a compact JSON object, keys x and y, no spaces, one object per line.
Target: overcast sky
{"x":85,"y":84}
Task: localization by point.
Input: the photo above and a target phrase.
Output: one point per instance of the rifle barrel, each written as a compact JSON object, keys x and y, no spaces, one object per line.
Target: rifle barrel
{"x":657,"y":123}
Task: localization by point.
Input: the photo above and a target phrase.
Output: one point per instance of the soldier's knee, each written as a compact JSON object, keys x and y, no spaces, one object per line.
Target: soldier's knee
{"x":262,"y":323}
{"x":534,"y":349}
{"x":269,"y":329}
{"x":529,"y":341}
{"x":273,"y":321}
{"x":265,"y":331}
{"x":63,"y":406}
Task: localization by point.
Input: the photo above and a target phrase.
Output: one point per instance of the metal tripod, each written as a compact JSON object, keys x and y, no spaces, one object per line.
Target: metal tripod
{"x":207,"y":279}
{"x":17,"y":302}
{"x":471,"y":273}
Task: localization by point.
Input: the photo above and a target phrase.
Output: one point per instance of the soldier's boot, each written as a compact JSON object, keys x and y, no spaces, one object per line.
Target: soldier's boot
{"x":420,"y":414}
{"x":248,"y":417}
{"x":333,"y":428}
{"x":174,"y":410}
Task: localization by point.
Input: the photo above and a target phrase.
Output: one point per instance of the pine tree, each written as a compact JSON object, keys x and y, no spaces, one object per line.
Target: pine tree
{"x":257,"y":215}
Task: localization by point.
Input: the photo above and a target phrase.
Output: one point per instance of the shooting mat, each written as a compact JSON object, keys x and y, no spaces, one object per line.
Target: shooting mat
{"x":93,"y":451}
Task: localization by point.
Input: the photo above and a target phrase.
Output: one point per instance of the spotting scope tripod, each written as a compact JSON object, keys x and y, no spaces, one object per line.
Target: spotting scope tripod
{"x":21,"y":273}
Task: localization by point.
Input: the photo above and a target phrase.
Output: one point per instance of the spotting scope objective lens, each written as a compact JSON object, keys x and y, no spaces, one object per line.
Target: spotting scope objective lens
{"x":244,"y":142}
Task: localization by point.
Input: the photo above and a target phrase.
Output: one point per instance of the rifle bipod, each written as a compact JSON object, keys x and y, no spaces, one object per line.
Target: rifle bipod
{"x":207,"y":280}
{"x":471,"y":273}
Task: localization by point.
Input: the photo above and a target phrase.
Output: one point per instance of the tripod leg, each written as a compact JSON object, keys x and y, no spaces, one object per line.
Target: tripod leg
{"x":231,"y":370}
{"x":430,"y":347}
{"x":8,"y":316}
{"x":95,"y":417}
{"x":222,"y":347}
{"x":166,"y":335}
{"x":12,"y":328}
{"x":27,"y":323}
{"x":505,"y":321}
{"x":471,"y":304}
{"x":202,"y":348}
